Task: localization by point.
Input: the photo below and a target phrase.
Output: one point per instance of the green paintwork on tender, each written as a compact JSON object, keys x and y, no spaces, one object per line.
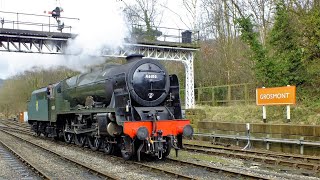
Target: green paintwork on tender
{"x":38,"y":106}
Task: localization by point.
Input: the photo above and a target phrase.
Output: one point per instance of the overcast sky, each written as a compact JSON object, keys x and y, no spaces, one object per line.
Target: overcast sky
{"x":101,"y":24}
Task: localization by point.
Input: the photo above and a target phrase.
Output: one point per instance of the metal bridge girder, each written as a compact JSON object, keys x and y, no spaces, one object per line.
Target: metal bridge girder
{"x":49,"y":45}
{"x":33,"y":46}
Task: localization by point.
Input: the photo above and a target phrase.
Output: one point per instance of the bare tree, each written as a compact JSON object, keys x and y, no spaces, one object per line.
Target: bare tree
{"x":17,"y":89}
{"x":260,"y":11}
{"x":144,"y":15}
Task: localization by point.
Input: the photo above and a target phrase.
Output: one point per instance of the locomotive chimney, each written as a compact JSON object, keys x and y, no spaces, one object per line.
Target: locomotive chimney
{"x":134,"y":57}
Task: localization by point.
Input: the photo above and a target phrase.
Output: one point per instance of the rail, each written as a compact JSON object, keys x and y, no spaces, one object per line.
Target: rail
{"x":175,"y":174}
{"x":301,"y":142}
{"x":296,"y":161}
{"x":231,"y":172}
{"x":41,"y":173}
{"x":74,"y":161}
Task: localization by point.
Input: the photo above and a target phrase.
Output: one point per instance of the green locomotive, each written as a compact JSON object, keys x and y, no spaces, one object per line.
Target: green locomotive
{"x":133,"y":108}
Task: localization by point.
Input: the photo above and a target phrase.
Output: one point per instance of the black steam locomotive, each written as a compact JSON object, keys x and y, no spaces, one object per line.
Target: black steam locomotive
{"x":132,"y":108}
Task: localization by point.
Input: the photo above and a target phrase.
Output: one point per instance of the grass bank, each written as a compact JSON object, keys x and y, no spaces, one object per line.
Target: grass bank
{"x":253,"y":114}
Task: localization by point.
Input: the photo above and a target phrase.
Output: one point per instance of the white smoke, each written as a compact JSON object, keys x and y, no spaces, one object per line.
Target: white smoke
{"x":101,"y":26}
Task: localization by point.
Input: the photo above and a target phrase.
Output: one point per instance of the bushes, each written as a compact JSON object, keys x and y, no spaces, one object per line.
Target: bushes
{"x":16,"y":90}
{"x":291,"y":52}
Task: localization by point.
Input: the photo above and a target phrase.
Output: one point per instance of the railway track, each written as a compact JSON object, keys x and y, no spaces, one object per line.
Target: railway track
{"x":297,"y":161}
{"x":219,"y":170}
{"x":141,"y":165}
{"x":208,"y":150}
{"x":15,"y":123}
{"x":232,"y":173}
{"x":16,"y":126}
{"x":73,"y":161}
{"x":29,"y":164}
{"x":138,"y":164}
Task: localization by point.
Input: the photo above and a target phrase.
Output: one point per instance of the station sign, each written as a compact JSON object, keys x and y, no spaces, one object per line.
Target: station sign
{"x":276,"y":96}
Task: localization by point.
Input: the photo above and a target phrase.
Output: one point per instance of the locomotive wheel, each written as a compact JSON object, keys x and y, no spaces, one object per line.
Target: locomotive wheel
{"x":46,"y":134}
{"x":80,"y":140}
{"x":68,"y":137}
{"x":38,"y":132}
{"x":108,"y":147}
{"x":127,"y":148}
{"x":59,"y":135}
{"x":94,"y":143}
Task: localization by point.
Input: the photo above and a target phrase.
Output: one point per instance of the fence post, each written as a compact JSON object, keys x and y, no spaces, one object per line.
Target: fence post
{"x":229,"y":95}
{"x":199,"y":95}
{"x":212,"y":97}
{"x":246,"y":94}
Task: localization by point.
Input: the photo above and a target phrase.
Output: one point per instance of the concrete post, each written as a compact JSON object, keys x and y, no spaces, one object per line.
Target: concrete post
{"x":264,"y":113}
{"x":288,"y":112}
{"x":214,"y":138}
{"x":237,"y":140}
{"x":301,"y":146}
{"x":268,"y":143}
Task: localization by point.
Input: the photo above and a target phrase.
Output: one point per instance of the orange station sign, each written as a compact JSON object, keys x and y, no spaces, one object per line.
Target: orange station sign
{"x":276,"y":96}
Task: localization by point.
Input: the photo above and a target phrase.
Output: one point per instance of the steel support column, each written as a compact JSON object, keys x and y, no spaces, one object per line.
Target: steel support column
{"x":189,"y":92}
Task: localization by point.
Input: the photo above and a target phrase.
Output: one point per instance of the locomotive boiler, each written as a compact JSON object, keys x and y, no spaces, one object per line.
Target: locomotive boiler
{"x":132,"y":108}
